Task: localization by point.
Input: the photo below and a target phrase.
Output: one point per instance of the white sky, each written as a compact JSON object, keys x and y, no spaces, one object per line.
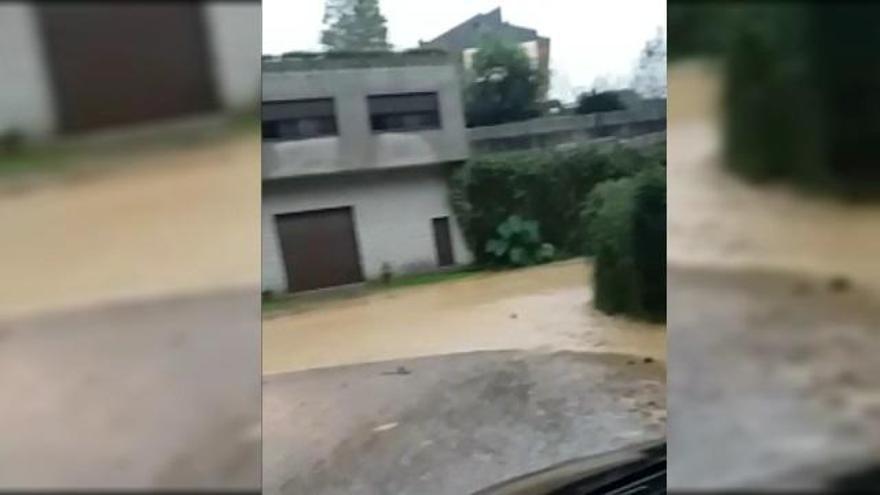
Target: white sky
{"x":589,"y":39}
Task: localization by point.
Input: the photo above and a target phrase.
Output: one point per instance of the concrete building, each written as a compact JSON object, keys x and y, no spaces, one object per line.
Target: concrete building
{"x":74,"y":68}
{"x":464,"y":39}
{"x":357,"y":152}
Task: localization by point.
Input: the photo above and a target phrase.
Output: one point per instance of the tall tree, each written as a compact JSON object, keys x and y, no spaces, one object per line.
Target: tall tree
{"x":650,"y":74}
{"x":503,"y":87}
{"x":354,"y":25}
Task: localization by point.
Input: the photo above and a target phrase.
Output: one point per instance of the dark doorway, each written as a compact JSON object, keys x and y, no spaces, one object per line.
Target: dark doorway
{"x":319,"y":248}
{"x":124,"y":63}
{"x":443,"y":241}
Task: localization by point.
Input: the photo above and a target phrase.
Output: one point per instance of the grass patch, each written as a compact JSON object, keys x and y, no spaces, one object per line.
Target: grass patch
{"x":423,"y":278}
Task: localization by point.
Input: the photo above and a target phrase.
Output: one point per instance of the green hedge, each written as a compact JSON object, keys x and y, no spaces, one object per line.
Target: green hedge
{"x":802,"y":93}
{"x":546,"y":186}
{"x":626,"y":222}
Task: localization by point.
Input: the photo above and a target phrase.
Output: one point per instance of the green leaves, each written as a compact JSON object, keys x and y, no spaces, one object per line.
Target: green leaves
{"x":354,"y":25}
{"x":502,"y":86}
{"x":627,"y":232}
{"x":518,"y":243}
{"x":546,"y":187}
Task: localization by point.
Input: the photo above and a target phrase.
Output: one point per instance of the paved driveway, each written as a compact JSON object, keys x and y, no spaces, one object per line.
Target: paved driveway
{"x":770,"y":374}
{"x":449,"y":425}
{"x":154,"y":394}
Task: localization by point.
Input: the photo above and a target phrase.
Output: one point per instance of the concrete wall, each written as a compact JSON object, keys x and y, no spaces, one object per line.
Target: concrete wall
{"x":235,"y":36}
{"x":392,"y":214}
{"x":554,"y":131}
{"x":25,"y":94}
{"x":26,"y":100}
{"x":357,"y":147}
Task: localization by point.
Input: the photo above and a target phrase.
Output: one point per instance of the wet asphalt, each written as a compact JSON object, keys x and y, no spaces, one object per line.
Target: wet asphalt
{"x":452,"y":424}
{"x":154,"y":394}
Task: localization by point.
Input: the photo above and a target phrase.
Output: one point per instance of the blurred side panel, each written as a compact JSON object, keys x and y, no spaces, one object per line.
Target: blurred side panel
{"x":130,"y":265}
{"x":25,"y":91}
{"x":235,"y":29}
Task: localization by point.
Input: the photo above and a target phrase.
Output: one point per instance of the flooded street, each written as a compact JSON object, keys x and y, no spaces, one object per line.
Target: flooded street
{"x":773,"y":310}
{"x":178,"y":220}
{"x":450,"y":387}
{"x":546,"y":307}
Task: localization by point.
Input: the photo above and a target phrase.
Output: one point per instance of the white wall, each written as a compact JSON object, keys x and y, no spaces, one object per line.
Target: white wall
{"x":392,"y":216}
{"x":235,"y":37}
{"x":25,"y":95}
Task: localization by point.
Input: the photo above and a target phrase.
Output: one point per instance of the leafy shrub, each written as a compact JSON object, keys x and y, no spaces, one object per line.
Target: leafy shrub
{"x":627,"y":229}
{"x":518,"y":243}
{"x":546,"y":186}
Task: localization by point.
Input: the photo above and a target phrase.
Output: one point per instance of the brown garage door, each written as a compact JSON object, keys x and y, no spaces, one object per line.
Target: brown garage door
{"x":319,"y":248}
{"x":124,"y":63}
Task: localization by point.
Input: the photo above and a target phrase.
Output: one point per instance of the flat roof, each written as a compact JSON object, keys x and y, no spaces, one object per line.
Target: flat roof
{"x":303,"y":61}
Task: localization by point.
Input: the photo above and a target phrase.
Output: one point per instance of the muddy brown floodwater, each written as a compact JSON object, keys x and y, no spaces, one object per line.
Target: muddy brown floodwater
{"x":181,"y":220}
{"x":547,"y":307}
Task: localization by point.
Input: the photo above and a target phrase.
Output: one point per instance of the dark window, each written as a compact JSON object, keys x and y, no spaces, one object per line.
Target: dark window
{"x":301,"y":119}
{"x":405,"y":112}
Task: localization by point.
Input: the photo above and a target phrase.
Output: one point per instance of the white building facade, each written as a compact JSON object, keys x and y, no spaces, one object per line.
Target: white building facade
{"x":356,"y":162}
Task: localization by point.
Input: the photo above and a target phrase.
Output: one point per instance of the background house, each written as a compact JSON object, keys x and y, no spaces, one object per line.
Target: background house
{"x":464,"y":39}
{"x":70,"y":67}
{"x":357,"y":152}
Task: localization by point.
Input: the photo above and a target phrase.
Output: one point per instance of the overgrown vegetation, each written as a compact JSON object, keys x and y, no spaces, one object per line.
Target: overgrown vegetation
{"x":546,"y":186}
{"x":626,"y":225}
{"x":502,"y":86}
{"x":609,"y":203}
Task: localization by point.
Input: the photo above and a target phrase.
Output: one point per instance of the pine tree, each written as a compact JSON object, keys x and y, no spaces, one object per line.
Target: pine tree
{"x":354,"y":25}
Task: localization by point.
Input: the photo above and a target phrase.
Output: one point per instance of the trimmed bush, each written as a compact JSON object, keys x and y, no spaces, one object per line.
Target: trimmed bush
{"x":546,"y":186}
{"x":649,"y":241}
{"x":626,"y":223}
{"x":801,"y":93}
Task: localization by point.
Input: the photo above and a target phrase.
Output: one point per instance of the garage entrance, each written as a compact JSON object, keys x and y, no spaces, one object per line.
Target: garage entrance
{"x":122,"y":63}
{"x":319,"y":248}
